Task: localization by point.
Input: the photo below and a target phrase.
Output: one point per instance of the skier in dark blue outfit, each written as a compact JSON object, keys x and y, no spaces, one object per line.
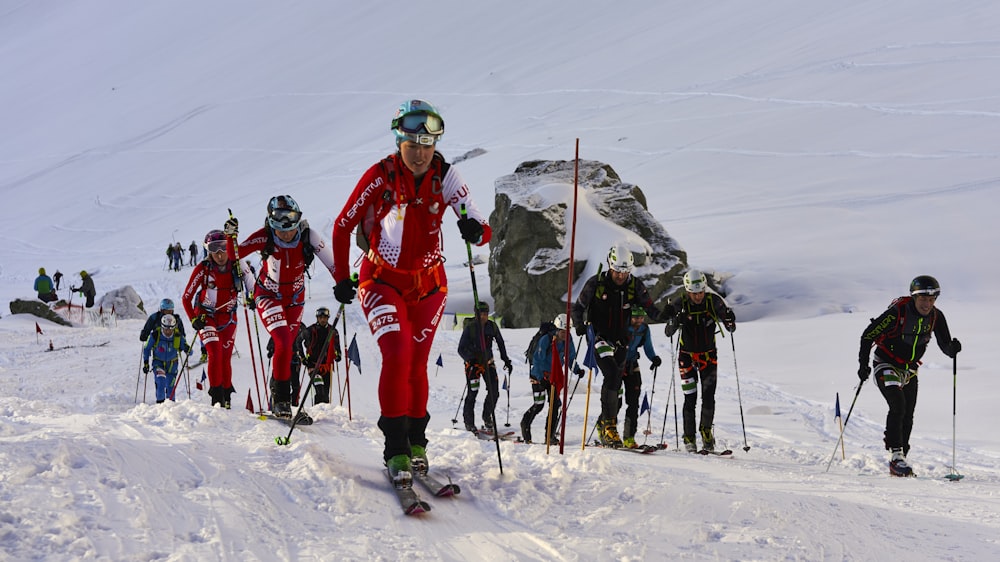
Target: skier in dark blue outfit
{"x":476,"y":348}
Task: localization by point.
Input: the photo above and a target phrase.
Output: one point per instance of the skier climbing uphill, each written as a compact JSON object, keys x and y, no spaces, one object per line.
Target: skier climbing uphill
{"x":400,"y":205}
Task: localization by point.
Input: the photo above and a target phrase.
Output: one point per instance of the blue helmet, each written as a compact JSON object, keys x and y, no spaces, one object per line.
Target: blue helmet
{"x":283,"y":213}
{"x":417,"y":121}
{"x":166,"y":304}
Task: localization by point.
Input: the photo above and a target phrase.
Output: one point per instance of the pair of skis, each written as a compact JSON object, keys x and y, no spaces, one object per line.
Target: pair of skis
{"x":411,"y":502}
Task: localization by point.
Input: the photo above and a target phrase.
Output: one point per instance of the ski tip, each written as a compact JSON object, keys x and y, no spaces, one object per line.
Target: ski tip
{"x":954,"y":477}
{"x":417,"y":508}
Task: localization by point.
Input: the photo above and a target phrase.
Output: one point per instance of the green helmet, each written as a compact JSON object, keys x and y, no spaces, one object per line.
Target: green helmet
{"x":638,"y":311}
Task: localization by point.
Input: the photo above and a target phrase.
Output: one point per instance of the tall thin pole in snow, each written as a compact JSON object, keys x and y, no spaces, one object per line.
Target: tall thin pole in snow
{"x":569,"y":294}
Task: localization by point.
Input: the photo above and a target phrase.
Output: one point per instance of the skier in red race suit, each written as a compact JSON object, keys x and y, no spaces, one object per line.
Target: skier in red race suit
{"x":400,"y":205}
{"x":287,"y":246}
{"x":210,"y":301}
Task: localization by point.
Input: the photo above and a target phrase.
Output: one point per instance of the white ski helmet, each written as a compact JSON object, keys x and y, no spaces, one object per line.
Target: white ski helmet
{"x":620,"y":259}
{"x":168,"y":322}
{"x":561,"y":322}
{"x":695,"y":282}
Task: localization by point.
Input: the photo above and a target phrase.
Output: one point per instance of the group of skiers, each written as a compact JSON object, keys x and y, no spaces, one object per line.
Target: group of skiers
{"x":46,"y":287}
{"x":175,"y":255}
{"x":397,"y":212}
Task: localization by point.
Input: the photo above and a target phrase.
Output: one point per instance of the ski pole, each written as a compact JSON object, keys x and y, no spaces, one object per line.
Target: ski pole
{"x":475,"y":297}
{"x":666,"y":412}
{"x":586,"y":408}
{"x":649,"y":413}
{"x":736,"y":370}
{"x":246,"y":317}
{"x":454,"y":418}
{"x":295,"y":420}
{"x":139,"y":376}
{"x":847,"y":419}
{"x":954,"y":476}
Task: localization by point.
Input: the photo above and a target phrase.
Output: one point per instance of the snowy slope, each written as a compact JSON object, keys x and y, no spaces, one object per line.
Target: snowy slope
{"x":821,"y":154}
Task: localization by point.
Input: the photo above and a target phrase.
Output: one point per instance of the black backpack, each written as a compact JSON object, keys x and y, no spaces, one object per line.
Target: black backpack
{"x":547,"y":328}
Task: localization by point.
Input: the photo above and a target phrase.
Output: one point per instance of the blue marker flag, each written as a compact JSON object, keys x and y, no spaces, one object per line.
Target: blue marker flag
{"x":645,"y":404}
{"x":505,"y":382}
{"x":590,"y":360}
{"x":440,"y":362}
{"x":352,"y":352}
{"x":837,"y":415}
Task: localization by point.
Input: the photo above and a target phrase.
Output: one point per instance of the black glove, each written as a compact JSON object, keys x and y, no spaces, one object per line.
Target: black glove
{"x":730,"y":320}
{"x":145,"y":368}
{"x":471,"y":230}
{"x":251,"y":303}
{"x":73,"y":289}
{"x":508,"y":366}
{"x":578,"y":371}
{"x":581,"y":329}
{"x":345,"y":291}
{"x":670,"y":326}
{"x":656,"y":362}
{"x":956,"y":346}
{"x":232,"y":227}
{"x":863,"y":371}
{"x":198,"y":323}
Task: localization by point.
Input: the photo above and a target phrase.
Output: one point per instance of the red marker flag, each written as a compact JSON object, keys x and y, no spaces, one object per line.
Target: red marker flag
{"x":249,"y":402}
{"x":556,"y":372}
{"x":38,"y":329}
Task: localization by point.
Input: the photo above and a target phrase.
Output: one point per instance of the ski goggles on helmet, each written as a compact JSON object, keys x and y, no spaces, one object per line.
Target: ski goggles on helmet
{"x":420,"y":122}
{"x":284,"y":219}
{"x":216,"y":246}
{"x":927,"y":292}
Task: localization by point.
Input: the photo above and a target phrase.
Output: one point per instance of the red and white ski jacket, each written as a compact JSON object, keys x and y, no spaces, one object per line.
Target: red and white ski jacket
{"x":283,"y":272}
{"x":401,"y":220}
{"x":212,"y":290}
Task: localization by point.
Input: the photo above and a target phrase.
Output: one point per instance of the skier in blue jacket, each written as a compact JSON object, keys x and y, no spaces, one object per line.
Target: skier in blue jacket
{"x":543,"y":379}
{"x":164,"y":345}
{"x":639,"y":335}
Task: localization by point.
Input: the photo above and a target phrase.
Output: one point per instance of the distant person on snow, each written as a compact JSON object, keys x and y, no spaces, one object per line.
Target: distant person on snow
{"x":287,"y":247}
{"x":398,"y":207}
{"x":57,"y":278}
{"x":193,"y":250}
{"x":87,"y":288}
{"x":476,"y":348}
{"x":900,"y":336}
{"x":319,"y":362}
{"x":210,"y":300}
{"x":44,"y":287}
{"x":639,"y":336}
{"x":697,"y":314}
{"x":548,"y":357}
{"x":164,"y":346}
{"x":607,"y":300}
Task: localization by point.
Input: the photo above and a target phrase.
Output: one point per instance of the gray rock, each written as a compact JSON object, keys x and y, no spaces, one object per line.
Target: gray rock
{"x":530,"y":247}
{"x":37,"y":308}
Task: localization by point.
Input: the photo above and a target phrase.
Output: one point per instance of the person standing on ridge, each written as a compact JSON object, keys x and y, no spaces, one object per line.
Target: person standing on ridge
{"x":900,"y":336}
{"x":476,"y":348}
{"x":211,"y":299}
{"x":698,"y":313}
{"x":287,"y":247}
{"x":399,"y":206}
{"x":607,"y":300}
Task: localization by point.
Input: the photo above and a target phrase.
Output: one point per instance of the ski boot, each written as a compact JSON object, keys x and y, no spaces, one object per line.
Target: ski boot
{"x":689,"y":444}
{"x":608,"y":431}
{"x":898,"y":465}
{"x":629,"y":443}
{"x":418,"y":459}
{"x":707,"y":438}
{"x":399,"y":470}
